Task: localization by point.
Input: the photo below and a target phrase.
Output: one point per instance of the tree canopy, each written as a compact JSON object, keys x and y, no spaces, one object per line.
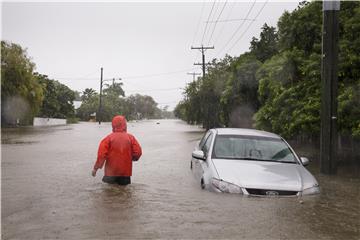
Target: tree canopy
{"x":114,"y":103}
{"x":58,"y":99}
{"x":21,"y":92}
{"x":276,"y":84}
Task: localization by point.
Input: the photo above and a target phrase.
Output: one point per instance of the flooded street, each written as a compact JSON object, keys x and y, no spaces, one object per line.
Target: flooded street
{"x":48,"y":192}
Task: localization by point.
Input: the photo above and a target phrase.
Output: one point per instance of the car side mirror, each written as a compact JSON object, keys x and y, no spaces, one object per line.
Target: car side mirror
{"x":198,"y":154}
{"x":305,"y":161}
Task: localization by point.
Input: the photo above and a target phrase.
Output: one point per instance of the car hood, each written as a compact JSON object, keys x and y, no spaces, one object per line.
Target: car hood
{"x":264,"y":175}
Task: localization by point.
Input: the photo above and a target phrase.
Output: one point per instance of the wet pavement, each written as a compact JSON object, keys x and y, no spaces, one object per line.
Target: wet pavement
{"x":47,"y":192}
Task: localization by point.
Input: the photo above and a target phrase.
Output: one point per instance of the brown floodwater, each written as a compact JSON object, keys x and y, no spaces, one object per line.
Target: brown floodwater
{"x":48,"y":192}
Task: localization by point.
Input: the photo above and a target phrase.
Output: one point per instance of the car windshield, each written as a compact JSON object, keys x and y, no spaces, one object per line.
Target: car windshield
{"x":252,"y":148}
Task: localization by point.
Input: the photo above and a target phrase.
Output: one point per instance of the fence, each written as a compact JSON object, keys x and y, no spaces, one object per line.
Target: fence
{"x":48,"y":121}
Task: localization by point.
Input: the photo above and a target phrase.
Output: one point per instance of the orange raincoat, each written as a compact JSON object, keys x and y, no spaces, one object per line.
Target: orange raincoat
{"x":118,"y":150}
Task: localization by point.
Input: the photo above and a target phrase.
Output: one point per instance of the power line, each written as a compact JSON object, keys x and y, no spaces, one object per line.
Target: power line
{"x":217,"y":21}
{"x":154,"y":90}
{"x":74,"y":78}
{"x":158,"y":74}
{"x":212,"y":8}
{"x":197,"y":28}
{"x":193,"y":74}
{"x":130,"y":77}
{"x":217,"y":4}
{"x":233,"y":20}
{"x":84,"y":77}
{"x":223,"y":26}
{"x":203,"y":49}
{"x":127,"y":82}
{"x":237,"y":30}
{"x":197,"y":55}
{"x":263,"y":6}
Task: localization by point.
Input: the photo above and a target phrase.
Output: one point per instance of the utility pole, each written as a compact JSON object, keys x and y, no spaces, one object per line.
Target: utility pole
{"x":202,"y":49}
{"x":99,"y":115}
{"x":329,"y":89}
{"x":193,"y":74}
{"x":101,"y":84}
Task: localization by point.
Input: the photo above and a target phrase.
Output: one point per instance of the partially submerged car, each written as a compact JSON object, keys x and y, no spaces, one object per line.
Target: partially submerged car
{"x":250,"y":162}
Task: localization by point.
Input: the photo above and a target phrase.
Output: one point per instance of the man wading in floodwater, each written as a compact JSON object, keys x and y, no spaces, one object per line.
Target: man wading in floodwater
{"x":117,"y":150}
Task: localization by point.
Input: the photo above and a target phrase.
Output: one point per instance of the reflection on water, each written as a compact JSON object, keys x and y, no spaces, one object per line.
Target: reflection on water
{"x":23,"y":135}
{"x":348,"y":161}
{"x":48,"y":191}
{"x":116,"y":193}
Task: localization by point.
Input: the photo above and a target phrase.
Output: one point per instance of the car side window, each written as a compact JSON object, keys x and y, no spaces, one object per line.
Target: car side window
{"x":202,"y":142}
{"x":207,"y":144}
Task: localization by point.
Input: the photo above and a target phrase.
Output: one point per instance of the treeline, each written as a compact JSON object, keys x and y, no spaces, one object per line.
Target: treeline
{"x":114,"y":102}
{"x":276,"y":85}
{"x":26,"y":94}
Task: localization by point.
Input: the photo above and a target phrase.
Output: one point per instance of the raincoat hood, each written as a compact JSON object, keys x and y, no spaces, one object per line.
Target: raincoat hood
{"x":119,"y":124}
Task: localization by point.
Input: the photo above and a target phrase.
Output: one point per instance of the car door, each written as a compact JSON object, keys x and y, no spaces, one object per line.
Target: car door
{"x":195,"y":163}
{"x":204,"y":165}
{"x":200,"y":165}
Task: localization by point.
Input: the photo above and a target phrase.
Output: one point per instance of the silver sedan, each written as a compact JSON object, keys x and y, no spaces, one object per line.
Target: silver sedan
{"x":250,"y":162}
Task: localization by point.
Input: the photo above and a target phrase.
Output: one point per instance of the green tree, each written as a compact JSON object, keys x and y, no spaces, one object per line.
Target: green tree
{"x":77,"y":96}
{"x":87,"y":94}
{"x":291,"y":79}
{"x":113,"y":103}
{"x":301,"y":29}
{"x":266,"y":47}
{"x":279,"y":79}
{"x":141,"y":106}
{"x":58,"y":99}
{"x":239,"y":100}
{"x":349,"y":68}
{"x":192,"y":105}
{"x":211,"y":90}
{"x":114,"y":90}
{"x":21,"y":92}
{"x":88,"y":107}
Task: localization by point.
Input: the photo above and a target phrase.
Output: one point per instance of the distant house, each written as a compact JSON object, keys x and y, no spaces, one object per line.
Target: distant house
{"x":92,"y":117}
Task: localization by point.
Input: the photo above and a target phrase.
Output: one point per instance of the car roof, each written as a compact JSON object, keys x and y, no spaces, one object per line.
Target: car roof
{"x":246,"y":132}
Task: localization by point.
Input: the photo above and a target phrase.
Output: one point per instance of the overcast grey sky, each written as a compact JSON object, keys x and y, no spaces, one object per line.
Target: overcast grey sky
{"x":138,"y":42}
